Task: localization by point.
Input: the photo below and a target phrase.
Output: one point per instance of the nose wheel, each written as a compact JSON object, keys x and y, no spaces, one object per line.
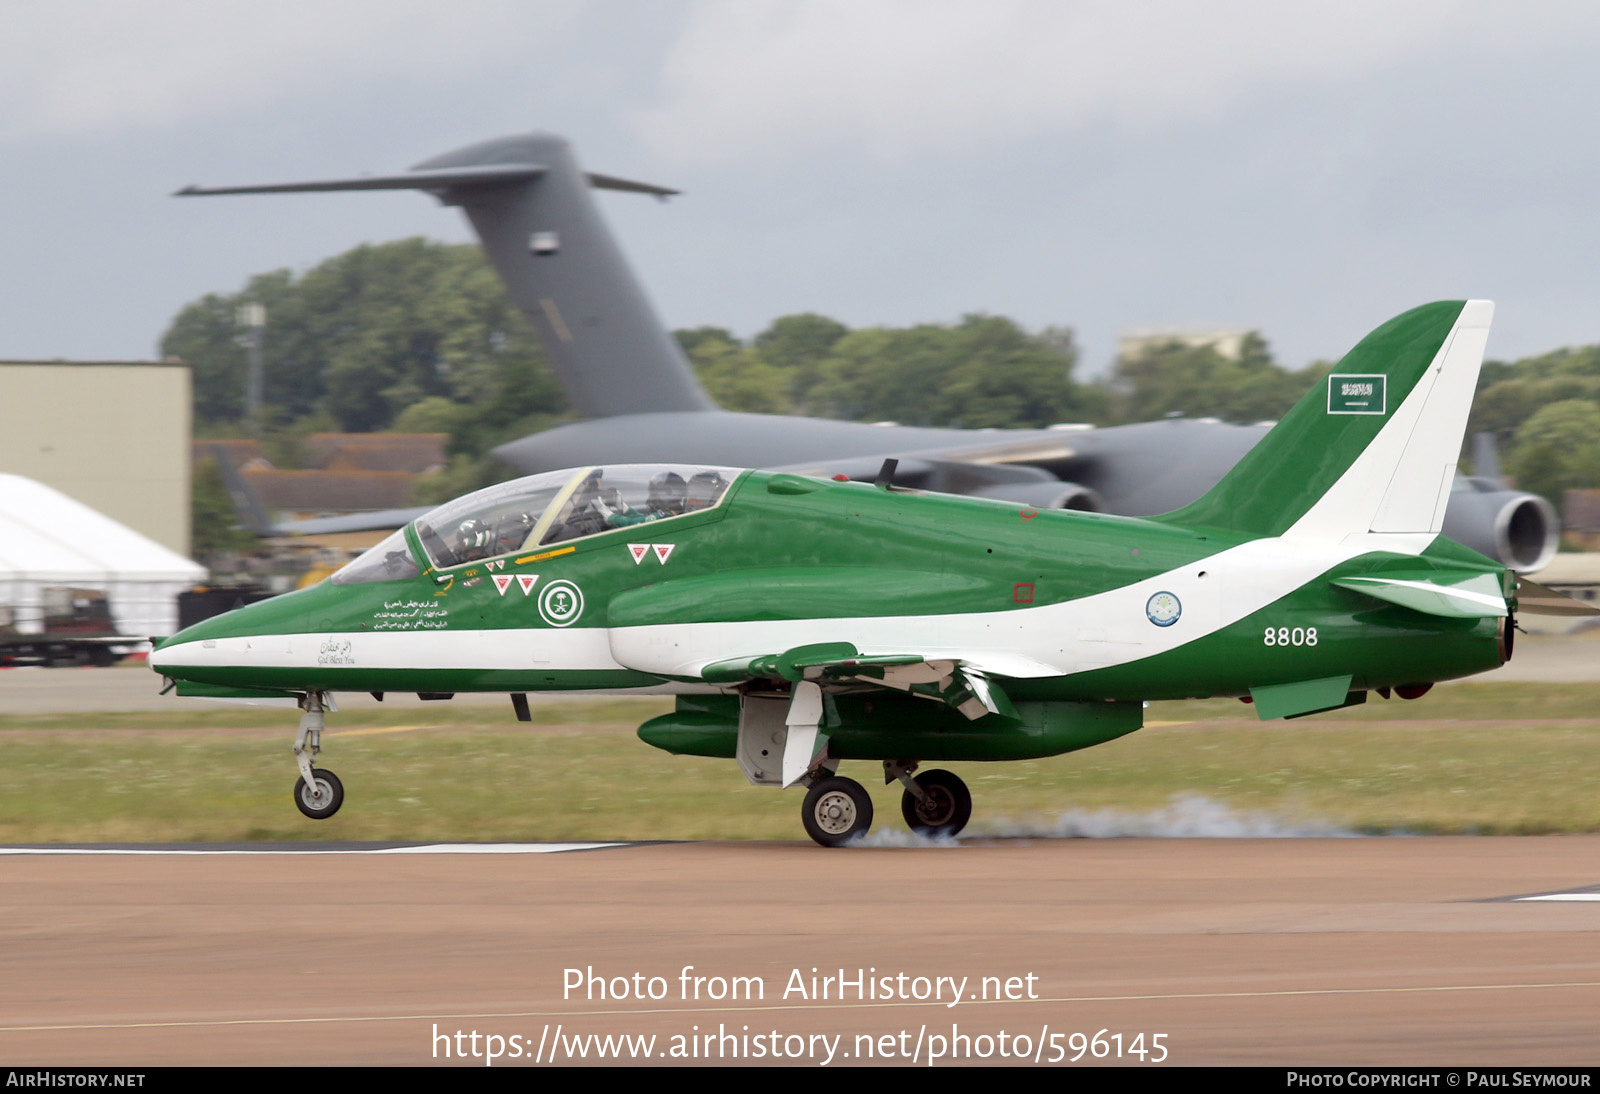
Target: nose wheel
{"x":322,"y":797}
{"x":942,"y":809}
{"x":836,"y":810}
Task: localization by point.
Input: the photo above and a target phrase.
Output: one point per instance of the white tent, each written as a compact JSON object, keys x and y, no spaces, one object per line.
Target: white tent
{"x":48,"y":539}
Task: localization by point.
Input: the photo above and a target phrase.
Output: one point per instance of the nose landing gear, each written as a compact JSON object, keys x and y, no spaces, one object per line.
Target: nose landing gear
{"x":317,"y":793}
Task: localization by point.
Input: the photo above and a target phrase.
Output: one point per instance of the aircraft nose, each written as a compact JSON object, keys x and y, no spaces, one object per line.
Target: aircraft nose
{"x":221,"y":640}
{"x":171,"y":654}
{"x":161,"y":657}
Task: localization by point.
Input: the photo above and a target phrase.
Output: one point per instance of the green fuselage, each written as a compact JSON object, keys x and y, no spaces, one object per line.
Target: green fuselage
{"x":785,"y":560}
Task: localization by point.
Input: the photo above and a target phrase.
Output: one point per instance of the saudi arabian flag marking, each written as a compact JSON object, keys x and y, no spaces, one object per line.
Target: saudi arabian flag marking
{"x":1358,"y":394}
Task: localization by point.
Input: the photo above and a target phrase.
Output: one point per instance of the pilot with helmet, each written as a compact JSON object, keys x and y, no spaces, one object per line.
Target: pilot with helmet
{"x":703,"y":491}
{"x":665,"y":498}
{"x":474,"y":540}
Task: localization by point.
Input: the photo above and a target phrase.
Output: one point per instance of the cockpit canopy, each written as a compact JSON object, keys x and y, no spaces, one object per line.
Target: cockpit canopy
{"x":543,"y":510}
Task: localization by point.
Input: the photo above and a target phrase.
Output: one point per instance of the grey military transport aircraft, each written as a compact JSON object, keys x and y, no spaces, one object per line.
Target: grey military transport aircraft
{"x":530,"y":203}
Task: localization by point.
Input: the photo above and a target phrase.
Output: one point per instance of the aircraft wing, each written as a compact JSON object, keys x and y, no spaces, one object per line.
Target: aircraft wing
{"x":966,"y":683}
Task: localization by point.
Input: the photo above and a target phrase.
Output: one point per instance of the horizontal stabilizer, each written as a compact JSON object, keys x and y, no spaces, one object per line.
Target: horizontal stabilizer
{"x":445,"y":179}
{"x":1536,"y":599}
{"x":1478,"y":597}
{"x":611,"y":182}
{"x":450,"y":178}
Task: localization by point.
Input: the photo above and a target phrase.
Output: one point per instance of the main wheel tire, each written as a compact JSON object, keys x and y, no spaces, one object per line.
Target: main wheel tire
{"x":326,"y":802}
{"x":947,"y":810}
{"x":836,"y":810}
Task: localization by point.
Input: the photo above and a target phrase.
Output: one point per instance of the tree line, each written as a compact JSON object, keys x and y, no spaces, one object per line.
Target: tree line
{"x":419,"y":336}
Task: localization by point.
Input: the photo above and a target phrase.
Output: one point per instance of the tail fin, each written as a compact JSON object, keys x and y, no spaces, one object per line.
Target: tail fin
{"x":1373,"y":447}
{"x":530,"y":204}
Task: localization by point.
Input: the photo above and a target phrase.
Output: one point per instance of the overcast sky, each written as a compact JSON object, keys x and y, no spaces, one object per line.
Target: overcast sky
{"x":1306,"y":169}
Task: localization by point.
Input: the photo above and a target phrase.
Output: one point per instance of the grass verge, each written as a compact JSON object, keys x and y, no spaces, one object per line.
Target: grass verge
{"x":1473,"y":758}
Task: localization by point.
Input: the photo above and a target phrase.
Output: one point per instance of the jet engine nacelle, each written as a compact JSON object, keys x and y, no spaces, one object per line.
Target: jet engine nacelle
{"x":1519,"y":530}
{"x":1045,"y":495}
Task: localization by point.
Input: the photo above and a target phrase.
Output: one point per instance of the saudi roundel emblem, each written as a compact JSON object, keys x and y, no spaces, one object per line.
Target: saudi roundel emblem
{"x":561,"y":603}
{"x":1163,"y":609}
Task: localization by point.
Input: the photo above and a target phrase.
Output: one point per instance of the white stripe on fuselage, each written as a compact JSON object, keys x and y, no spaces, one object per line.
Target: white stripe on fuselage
{"x":546,"y":649}
{"x":1097,"y":631}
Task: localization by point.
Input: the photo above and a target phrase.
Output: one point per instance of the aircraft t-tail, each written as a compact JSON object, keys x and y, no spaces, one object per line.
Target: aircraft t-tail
{"x":532,"y":205}
{"x":803,"y":622}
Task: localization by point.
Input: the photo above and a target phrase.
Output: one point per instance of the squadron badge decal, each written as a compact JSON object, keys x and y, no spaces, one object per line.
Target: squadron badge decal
{"x":1163,"y":609}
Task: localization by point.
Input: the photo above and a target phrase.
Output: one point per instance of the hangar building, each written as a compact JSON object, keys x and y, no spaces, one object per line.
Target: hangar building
{"x":112,"y":435}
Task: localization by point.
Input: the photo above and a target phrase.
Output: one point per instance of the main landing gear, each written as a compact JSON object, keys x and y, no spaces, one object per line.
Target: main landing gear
{"x":942,"y":808}
{"x":317,"y":793}
{"x":935,"y":803}
{"x":836,"y":810}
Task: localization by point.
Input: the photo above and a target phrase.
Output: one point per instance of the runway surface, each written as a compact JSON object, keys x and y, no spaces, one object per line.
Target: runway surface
{"x":1292,"y":951}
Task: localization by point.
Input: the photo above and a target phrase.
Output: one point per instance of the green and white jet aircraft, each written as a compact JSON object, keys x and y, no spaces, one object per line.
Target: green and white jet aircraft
{"x":803,"y":622}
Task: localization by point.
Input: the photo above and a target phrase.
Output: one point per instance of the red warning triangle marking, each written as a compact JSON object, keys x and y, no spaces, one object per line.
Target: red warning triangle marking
{"x":526,"y":581}
{"x":638,"y":551}
{"x":663,"y":550}
{"x":500,"y":582}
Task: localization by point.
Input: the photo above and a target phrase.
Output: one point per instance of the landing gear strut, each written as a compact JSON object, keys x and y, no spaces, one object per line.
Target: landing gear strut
{"x":317,"y":794}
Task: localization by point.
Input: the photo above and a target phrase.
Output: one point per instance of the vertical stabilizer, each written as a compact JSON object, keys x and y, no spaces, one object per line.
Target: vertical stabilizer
{"x":532,"y":208}
{"x":1373,"y":447}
